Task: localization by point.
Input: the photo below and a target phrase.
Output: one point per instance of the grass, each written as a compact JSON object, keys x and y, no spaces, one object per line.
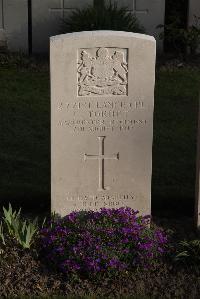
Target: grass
{"x":25,"y":137}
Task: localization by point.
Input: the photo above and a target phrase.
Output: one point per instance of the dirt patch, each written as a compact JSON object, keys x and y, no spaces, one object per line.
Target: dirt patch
{"x":23,"y":273}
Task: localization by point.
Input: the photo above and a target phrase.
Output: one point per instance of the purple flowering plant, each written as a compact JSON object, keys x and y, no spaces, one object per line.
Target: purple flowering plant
{"x":89,"y":242}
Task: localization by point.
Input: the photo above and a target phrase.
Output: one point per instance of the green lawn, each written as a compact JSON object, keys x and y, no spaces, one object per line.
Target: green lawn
{"x":25,"y":136}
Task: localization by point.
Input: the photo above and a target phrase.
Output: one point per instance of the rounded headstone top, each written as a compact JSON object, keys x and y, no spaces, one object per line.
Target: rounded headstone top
{"x":102,"y":33}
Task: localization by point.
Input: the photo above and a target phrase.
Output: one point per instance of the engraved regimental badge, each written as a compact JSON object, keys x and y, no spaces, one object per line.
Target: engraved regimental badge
{"x":102,"y":71}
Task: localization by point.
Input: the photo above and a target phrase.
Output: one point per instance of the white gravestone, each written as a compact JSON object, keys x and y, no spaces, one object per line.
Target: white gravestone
{"x":194,"y":11}
{"x":102,"y":95}
{"x":3,"y":40}
{"x":14,"y":24}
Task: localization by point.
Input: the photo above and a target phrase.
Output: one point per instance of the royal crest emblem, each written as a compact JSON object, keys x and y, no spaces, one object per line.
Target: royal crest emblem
{"x":103,"y":73}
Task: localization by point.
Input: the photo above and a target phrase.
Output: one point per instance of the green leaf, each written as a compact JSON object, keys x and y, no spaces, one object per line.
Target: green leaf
{"x":20,"y":229}
{"x":2,"y":233}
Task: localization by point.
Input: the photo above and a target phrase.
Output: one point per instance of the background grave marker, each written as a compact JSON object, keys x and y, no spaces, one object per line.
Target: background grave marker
{"x":1,"y":15}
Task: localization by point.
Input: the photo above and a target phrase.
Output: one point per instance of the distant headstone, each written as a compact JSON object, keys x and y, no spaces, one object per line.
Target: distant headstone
{"x":102,"y":95}
{"x":197,"y":203}
{"x":14,"y":24}
{"x":194,"y":10}
{"x":24,"y":27}
{"x":47,"y":19}
{"x":47,"y":16}
{"x":1,"y":15}
{"x":149,"y":13}
{"x":193,"y":14}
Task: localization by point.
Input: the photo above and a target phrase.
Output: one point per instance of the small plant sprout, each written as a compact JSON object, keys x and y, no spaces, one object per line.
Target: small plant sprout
{"x":22,"y":230}
{"x":188,"y":252}
{"x":2,"y":233}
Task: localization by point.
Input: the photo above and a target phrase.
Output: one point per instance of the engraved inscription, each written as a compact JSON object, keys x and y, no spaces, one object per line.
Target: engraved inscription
{"x":102,"y":71}
{"x":102,"y":116}
{"x":135,"y":104}
{"x":102,"y":125}
{"x":97,"y":201}
{"x":101,"y":157}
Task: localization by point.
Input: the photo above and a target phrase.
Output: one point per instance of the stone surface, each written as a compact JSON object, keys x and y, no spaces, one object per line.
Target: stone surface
{"x":14,"y":20}
{"x":3,"y":41}
{"x":194,"y":10}
{"x":1,"y":15}
{"x":47,"y":16}
{"x":102,"y":94}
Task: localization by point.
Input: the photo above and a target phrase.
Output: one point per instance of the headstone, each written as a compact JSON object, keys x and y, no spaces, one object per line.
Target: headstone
{"x":3,"y":41}
{"x":197,"y":202}
{"x":194,"y":11}
{"x":47,"y":18}
{"x":1,"y":15}
{"x":102,"y":95}
{"x":149,"y":13}
{"x":14,"y":22}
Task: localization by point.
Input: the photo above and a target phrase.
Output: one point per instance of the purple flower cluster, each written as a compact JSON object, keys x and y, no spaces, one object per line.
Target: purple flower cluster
{"x":111,"y":239}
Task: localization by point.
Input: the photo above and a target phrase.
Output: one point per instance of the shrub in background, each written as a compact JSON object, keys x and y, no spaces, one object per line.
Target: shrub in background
{"x":110,"y":240}
{"x":183,"y":40}
{"x":109,"y":17}
{"x":188,"y":253}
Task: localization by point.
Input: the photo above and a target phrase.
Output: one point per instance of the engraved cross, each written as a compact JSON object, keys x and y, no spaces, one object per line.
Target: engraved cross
{"x":1,"y":14}
{"x":62,"y":9}
{"x":144,"y":11}
{"x":101,"y":157}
